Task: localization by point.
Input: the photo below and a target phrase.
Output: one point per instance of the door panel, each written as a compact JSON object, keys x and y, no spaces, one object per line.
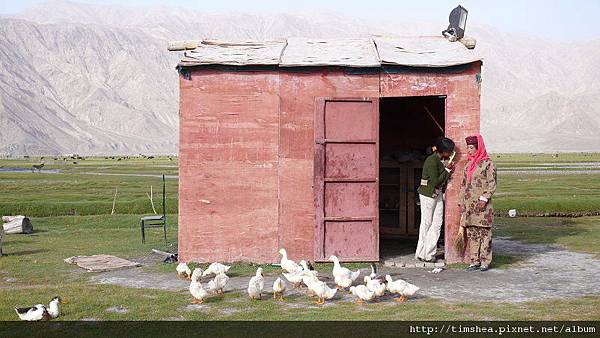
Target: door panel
{"x":343,"y":160}
{"x":346,"y":179}
{"x":348,"y":120}
{"x":350,"y":199}
{"x":348,"y":239}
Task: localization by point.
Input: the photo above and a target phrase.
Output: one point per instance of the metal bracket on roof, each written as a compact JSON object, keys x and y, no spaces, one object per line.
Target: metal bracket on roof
{"x":184,"y":72}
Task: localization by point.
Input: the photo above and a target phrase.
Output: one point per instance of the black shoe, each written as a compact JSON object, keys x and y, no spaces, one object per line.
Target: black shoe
{"x":433,"y":260}
{"x":484,"y":268}
{"x":473,"y":267}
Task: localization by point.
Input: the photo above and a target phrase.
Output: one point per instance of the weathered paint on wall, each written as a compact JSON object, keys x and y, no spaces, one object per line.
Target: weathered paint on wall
{"x":229,"y":125}
{"x":247,"y":152}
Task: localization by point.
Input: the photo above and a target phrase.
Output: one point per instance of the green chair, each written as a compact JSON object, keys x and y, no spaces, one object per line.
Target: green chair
{"x":156,"y":221}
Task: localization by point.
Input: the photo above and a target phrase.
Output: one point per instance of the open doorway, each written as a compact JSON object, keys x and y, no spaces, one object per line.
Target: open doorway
{"x":408,"y":128}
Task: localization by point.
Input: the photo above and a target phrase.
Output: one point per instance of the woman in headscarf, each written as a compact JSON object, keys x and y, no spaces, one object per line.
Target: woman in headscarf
{"x":475,"y":202}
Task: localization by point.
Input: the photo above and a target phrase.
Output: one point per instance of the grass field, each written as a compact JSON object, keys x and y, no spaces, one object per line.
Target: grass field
{"x":87,"y":188}
{"x":547,"y":184}
{"x":71,"y":210}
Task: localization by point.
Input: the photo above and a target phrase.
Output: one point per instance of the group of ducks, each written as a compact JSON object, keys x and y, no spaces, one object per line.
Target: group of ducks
{"x":40,"y":311}
{"x":216,"y":285}
{"x":298,"y":274}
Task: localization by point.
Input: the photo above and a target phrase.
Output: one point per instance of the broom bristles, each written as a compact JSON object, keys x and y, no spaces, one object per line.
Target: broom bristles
{"x":459,"y":241}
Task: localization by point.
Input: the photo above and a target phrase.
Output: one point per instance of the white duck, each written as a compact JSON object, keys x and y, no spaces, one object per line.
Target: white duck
{"x":343,"y":276}
{"x":311,"y":282}
{"x":183,"y":271}
{"x":308,"y":274}
{"x":323,"y":291}
{"x":196,"y":288}
{"x":306,"y":268}
{"x":218,"y":283}
{"x":53,"y":308}
{"x":215,"y":269}
{"x":256,"y":284}
{"x":401,"y":287}
{"x":373,"y":274}
{"x":32,"y":314}
{"x":295,"y":277}
{"x":375,"y":285}
{"x":362,"y":293}
{"x":278,"y":288}
{"x":287,"y":264}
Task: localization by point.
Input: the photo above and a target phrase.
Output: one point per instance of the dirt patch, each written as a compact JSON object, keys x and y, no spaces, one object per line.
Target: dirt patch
{"x":139,"y":279}
{"x":117,"y":309}
{"x":230,"y":311}
{"x":196,"y":307}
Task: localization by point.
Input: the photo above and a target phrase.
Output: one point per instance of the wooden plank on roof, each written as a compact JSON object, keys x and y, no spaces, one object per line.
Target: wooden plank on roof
{"x":359,"y":52}
{"x":175,"y":46}
{"x":243,"y":53}
{"x":423,"y":51}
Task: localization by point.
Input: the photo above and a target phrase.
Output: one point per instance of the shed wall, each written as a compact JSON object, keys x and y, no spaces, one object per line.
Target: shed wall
{"x":247,"y":152}
{"x":228,"y":166}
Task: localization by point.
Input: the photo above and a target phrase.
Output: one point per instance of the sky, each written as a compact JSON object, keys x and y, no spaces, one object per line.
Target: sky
{"x":552,"y":19}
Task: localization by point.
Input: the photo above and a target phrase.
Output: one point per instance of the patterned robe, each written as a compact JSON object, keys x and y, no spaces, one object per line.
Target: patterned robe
{"x":482,"y":186}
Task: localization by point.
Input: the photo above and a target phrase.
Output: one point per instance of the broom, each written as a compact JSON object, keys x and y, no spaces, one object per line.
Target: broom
{"x":459,"y":240}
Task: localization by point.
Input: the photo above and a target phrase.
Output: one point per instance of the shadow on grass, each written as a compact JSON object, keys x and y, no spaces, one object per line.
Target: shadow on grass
{"x":39,"y":231}
{"x":25,"y":252}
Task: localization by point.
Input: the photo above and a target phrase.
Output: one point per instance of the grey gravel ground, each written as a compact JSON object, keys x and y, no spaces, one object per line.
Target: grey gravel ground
{"x":543,"y":272}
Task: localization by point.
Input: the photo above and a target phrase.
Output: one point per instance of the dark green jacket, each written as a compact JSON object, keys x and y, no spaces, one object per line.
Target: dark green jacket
{"x":434,"y":175}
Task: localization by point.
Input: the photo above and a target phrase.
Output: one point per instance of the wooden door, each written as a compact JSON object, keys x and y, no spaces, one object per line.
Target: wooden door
{"x":346,"y":179}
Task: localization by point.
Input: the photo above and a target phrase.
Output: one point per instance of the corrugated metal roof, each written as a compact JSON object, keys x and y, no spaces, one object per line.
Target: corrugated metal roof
{"x":431,"y":51}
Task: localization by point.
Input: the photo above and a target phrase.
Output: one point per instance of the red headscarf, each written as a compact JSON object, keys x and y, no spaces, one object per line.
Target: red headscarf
{"x":479,"y":156}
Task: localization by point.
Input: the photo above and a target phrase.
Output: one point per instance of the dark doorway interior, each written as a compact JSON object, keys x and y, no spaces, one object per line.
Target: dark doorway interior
{"x":408,"y":129}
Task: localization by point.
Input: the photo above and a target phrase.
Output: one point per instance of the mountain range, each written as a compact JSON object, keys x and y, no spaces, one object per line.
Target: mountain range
{"x":97,"y":79}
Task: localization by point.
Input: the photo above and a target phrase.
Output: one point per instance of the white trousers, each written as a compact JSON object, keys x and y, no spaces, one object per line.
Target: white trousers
{"x":432,"y":217}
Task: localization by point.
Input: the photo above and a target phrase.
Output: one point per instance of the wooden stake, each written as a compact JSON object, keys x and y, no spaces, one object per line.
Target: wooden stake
{"x":114,"y":201}
{"x":151,"y":202}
